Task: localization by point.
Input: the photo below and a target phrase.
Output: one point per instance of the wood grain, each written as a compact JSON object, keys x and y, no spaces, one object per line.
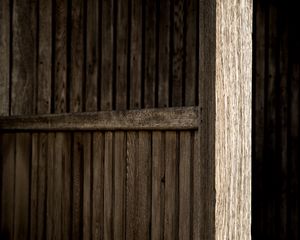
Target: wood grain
{"x":147,"y":119}
{"x":22,"y":185}
{"x":92,"y":56}
{"x":44,"y":67}
{"x":5,"y":38}
{"x":23,"y":95}
{"x":7,"y":156}
{"x":98,"y":185}
{"x":60,"y":53}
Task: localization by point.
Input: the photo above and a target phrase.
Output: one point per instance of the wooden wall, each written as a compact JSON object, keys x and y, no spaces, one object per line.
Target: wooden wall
{"x":74,"y":56}
{"x":59,"y":56}
{"x":276,"y":120}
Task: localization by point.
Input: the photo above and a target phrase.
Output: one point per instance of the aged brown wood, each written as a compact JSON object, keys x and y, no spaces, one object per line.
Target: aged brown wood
{"x":7,"y":156}
{"x":92,"y":73}
{"x":169,"y":118}
{"x":5,"y":39}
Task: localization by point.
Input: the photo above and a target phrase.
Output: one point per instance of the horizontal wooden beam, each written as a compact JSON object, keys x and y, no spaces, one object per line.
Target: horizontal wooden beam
{"x":145,"y":119}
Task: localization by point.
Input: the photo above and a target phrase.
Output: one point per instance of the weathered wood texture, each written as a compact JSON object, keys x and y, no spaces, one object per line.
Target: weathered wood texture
{"x":225,"y":118}
{"x":276,"y":120}
{"x":147,"y":119}
{"x":86,"y":56}
{"x":107,"y":184}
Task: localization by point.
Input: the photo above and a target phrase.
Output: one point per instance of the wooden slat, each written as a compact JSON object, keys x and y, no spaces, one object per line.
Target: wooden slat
{"x":92,"y":56}
{"x":60,"y":59}
{"x":41,"y":184}
{"x":44,"y":66}
{"x":65,"y":157}
{"x":77,"y":159}
{"x":122,"y":54}
{"x":150,"y":53}
{"x":147,"y":119}
{"x":158,"y":185}
{"x":143,"y":186}
{"x":87,"y":181}
{"x":7,"y":156}
{"x":108,"y":186}
{"x":164,"y":54}
{"x":191,"y":52}
{"x":5,"y":38}
{"x":50,"y":186}
{"x":135,"y":54}
{"x":196,"y":191}
{"x":119,"y":184}
{"x":24,"y":50}
{"x":107,"y":54}
{"x":171,"y":187}
{"x":185,"y":148}
{"x":131,"y":185}
{"x":177,"y":58}
{"x":77,"y":56}
{"x":22,"y":185}
{"x":98,"y":186}
{"x":34,"y":186}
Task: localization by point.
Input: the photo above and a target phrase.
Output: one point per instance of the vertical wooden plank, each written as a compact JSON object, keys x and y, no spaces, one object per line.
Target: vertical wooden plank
{"x":131,"y":185}
{"x":259,"y":118}
{"x":50,"y":186}
{"x":119,"y":184}
{"x":98,"y":186}
{"x":164,"y":53}
{"x":177,"y":58}
{"x":77,"y":56}
{"x":185,"y":185}
{"x":34,"y":186}
{"x":22,"y":185}
{"x":143,"y":185}
{"x":196,"y":191}
{"x":7,"y":156}
{"x":77,"y":186}
{"x":283,"y":116}
{"x":122,"y":54}
{"x":108,"y":186}
{"x":57,"y":185}
{"x":60,"y":56}
{"x":136,"y":54}
{"x":107,"y":54}
{"x":24,"y":58}
{"x":92,"y":55}
{"x":190,"y":63}
{"x":65,"y":158}
{"x":41,"y":184}
{"x":5,"y":38}
{"x":171,"y":187}
{"x":271,"y":122}
{"x":158,"y":185}
{"x":150,"y":53}
{"x":294,"y":148}
{"x":44,"y":57}
{"x":87,"y":181}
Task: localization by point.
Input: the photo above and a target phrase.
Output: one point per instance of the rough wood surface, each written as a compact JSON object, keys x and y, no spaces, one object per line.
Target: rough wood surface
{"x":169,"y":118}
{"x":233,"y":119}
{"x":5,"y":38}
{"x":225,"y":107}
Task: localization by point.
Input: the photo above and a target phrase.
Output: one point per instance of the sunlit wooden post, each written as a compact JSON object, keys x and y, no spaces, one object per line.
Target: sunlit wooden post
{"x":225,"y":119}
